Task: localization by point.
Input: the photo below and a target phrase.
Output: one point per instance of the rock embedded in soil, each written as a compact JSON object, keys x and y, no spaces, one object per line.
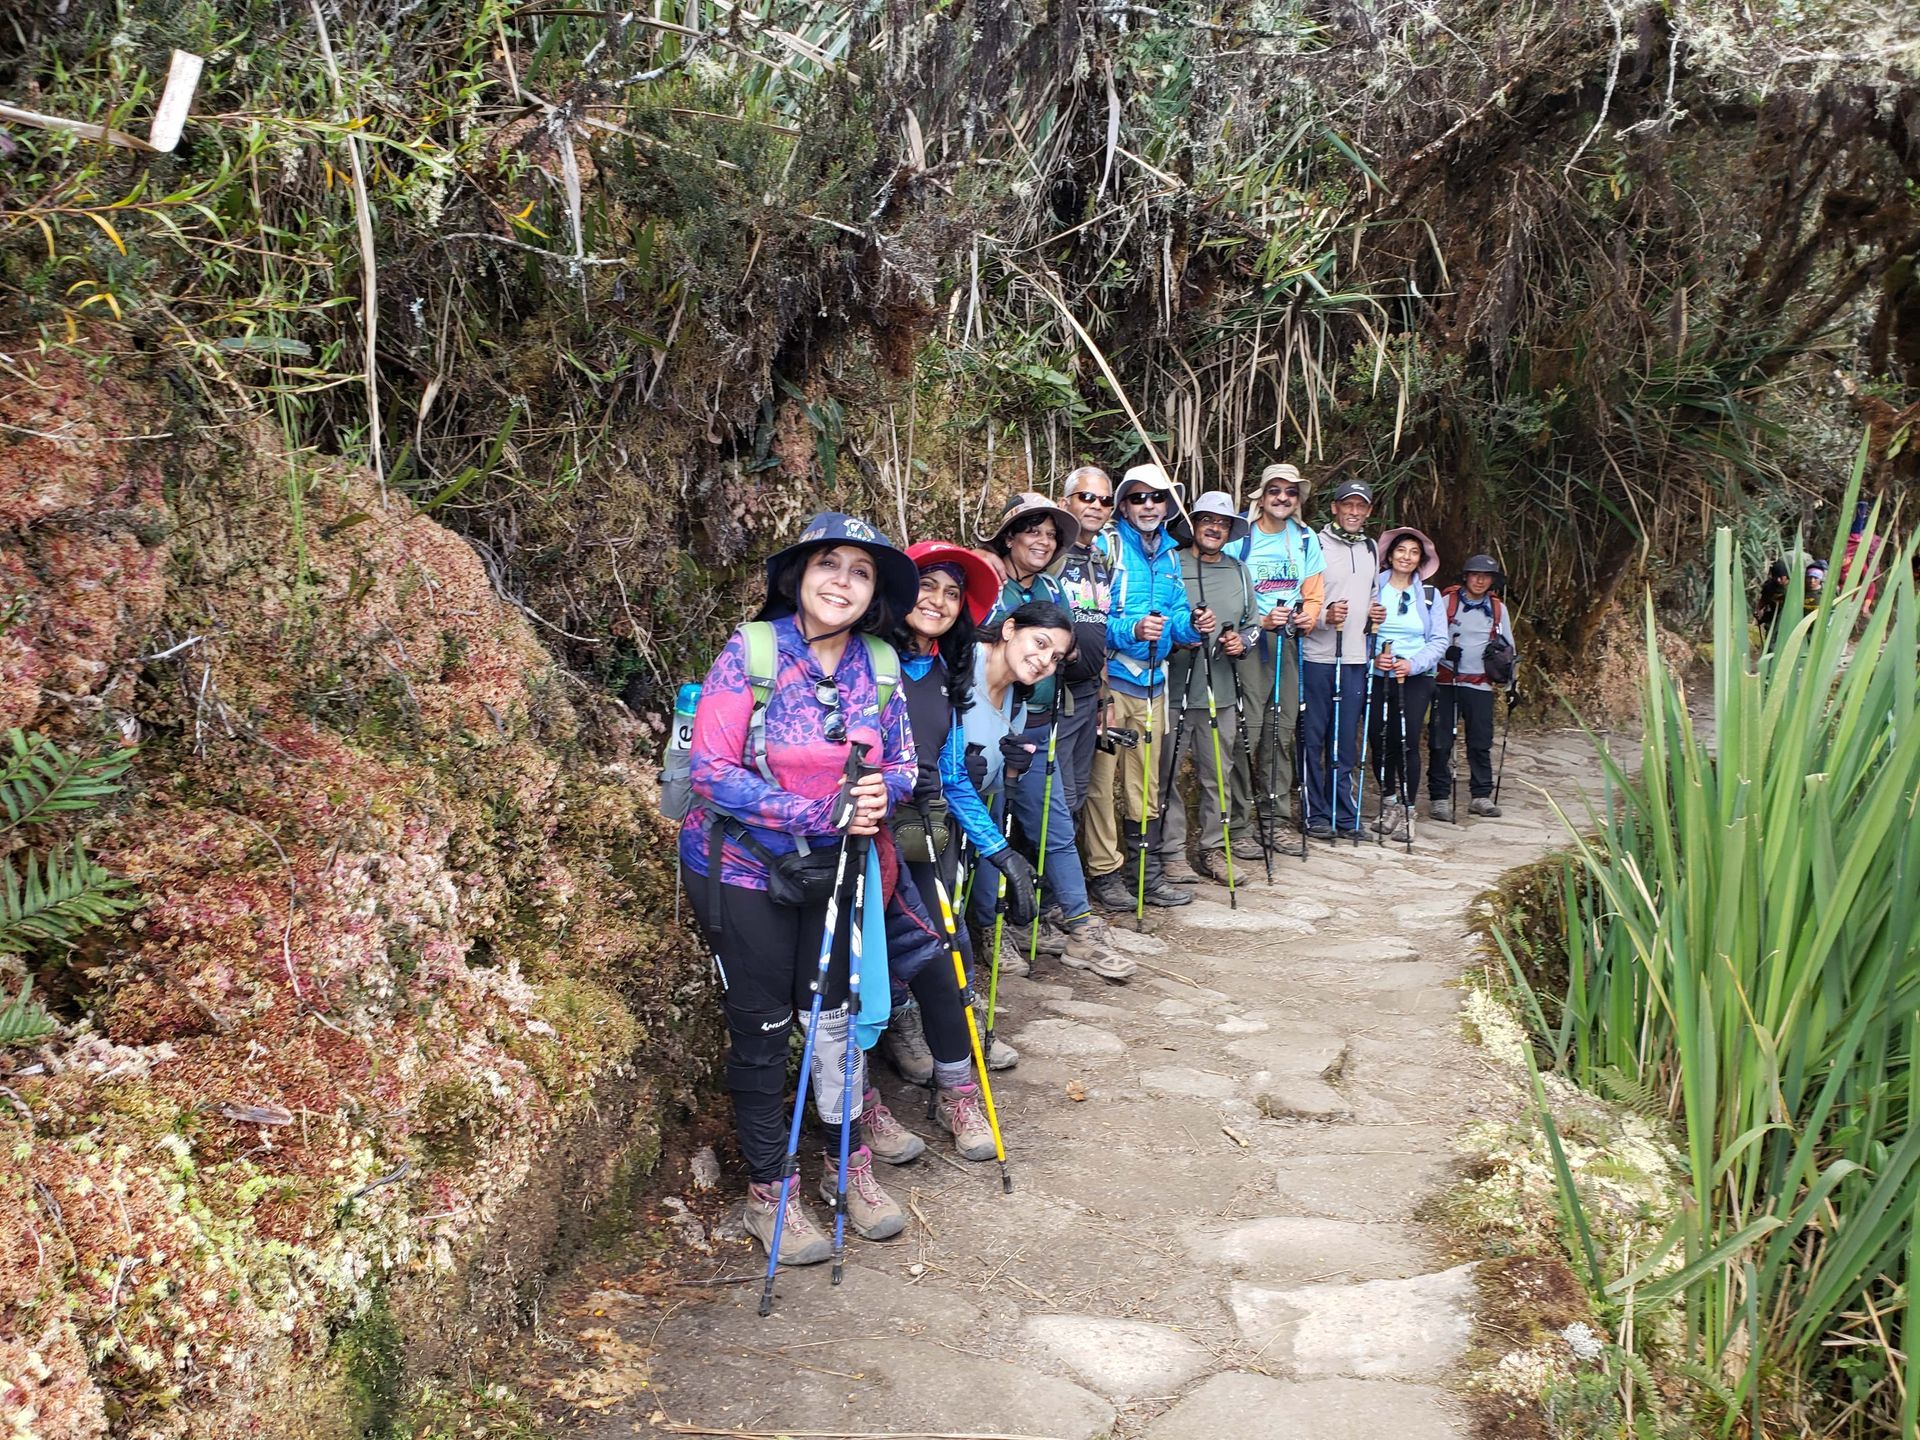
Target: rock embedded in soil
{"x":1121,"y":1359}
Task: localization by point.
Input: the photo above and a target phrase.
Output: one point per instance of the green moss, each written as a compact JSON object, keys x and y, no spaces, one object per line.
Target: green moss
{"x":613,"y":1226}
{"x":370,"y":1357}
{"x":439,"y":1411}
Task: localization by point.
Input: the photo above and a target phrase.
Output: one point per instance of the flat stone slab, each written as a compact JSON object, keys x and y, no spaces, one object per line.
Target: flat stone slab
{"x":1412,"y":1329}
{"x":1121,"y":1359}
{"x":1289,"y":1097}
{"x":1286,"y":1250}
{"x":1242,"y":1025}
{"x":1201,"y":1084}
{"x":1067,"y":1040}
{"x":1253,"y":1407}
{"x":1382,"y":1186}
{"x":1267,"y":920}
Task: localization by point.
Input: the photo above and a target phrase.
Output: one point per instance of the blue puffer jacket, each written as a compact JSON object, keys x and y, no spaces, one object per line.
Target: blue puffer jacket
{"x":1143,"y":583}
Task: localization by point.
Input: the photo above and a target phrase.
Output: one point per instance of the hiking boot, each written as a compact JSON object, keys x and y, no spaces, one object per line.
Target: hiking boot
{"x":1440,"y":810}
{"x":904,"y":1044}
{"x":1213,"y":865}
{"x":1319,"y":830}
{"x":1177,"y":871}
{"x":1483,"y":805}
{"x":801,"y":1241}
{"x":1387,"y":819}
{"x":1088,"y":948}
{"x":961,"y":1112}
{"x":1400,"y":826}
{"x":873,"y":1214}
{"x":1013,"y":954}
{"x":1248,"y":847}
{"x":886,"y":1136}
{"x":1001,"y":1055}
{"x":1110,"y":891}
{"x":1053,"y":934}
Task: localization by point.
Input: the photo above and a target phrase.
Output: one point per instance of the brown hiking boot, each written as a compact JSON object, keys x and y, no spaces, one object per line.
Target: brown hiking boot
{"x":1213,"y":865}
{"x":886,"y":1136}
{"x":961,"y":1112}
{"x":904,"y":1043}
{"x":1090,"y":948}
{"x":872,"y":1212}
{"x":1248,"y":847}
{"x":1176,"y":870}
{"x":801,"y":1241}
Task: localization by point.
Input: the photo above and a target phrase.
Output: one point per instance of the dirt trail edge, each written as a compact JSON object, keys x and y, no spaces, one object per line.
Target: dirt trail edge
{"x":1219,"y":1239}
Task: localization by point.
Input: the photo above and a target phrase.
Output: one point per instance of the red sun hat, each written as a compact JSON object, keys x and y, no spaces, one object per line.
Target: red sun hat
{"x":982,"y":585}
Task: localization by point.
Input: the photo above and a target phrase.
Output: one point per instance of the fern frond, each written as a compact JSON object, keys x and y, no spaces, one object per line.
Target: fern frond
{"x":23,"y":1021}
{"x":55,"y":898}
{"x":38,"y":778}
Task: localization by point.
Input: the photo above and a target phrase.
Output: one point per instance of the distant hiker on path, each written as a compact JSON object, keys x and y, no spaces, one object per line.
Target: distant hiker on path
{"x":1207,"y":734}
{"x":1477,"y":621}
{"x":1337,"y":653}
{"x":1283,"y":556}
{"x":1408,"y":619}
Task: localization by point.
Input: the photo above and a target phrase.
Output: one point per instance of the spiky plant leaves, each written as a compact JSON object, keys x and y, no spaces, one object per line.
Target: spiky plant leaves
{"x":50,"y":899}
{"x":39,"y":779}
{"x":23,"y":1020}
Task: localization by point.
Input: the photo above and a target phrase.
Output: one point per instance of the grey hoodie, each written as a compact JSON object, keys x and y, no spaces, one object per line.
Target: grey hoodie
{"x":1353,"y":569}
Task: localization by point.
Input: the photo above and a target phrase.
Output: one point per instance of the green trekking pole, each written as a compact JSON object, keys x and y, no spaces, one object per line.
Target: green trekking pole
{"x":1046,"y":812}
{"x":999,"y":928}
{"x":1213,"y":719}
{"x":1146,"y":781}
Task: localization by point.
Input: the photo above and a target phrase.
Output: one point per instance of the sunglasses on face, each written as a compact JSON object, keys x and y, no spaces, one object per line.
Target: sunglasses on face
{"x":827,"y":693}
{"x":1087,"y":497}
{"x":1287,"y":492}
{"x":1149,"y":497}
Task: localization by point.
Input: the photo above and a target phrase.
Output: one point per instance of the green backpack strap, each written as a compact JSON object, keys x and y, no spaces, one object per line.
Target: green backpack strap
{"x":763,"y":660}
{"x":886,"y":667}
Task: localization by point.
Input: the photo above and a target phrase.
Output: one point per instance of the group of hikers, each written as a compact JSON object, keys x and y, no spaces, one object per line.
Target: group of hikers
{"x":919,"y":770}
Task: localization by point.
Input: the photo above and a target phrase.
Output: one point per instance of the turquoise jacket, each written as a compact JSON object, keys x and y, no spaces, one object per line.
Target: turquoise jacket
{"x":1145,"y":580}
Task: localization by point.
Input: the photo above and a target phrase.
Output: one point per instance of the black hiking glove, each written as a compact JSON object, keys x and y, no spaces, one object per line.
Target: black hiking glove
{"x":1022,"y":900}
{"x":976,"y":765}
{"x":1015,"y":758}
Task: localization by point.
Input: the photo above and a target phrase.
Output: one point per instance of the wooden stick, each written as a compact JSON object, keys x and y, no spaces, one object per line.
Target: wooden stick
{"x":169,"y":116}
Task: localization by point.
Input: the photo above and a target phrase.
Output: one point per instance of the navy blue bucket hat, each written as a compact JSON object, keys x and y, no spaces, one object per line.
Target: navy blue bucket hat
{"x":899,"y":577}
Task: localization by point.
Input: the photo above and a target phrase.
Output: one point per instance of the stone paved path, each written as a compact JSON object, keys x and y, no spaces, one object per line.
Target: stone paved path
{"x":1220,"y":1239}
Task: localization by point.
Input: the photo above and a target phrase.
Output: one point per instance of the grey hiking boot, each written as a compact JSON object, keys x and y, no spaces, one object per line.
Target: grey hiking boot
{"x":1388,"y":819}
{"x":886,"y":1136}
{"x":801,"y":1241}
{"x":1013,"y":953}
{"x":873,"y":1214}
{"x":1440,"y":810}
{"x":1178,"y":871}
{"x":1248,"y":847}
{"x":1000,"y":1055}
{"x":1110,"y":891}
{"x":904,"y":1044}
{"x":961,"y":1112}
{"x":1090,"y":948}
{"x":1053,"y":940}
{"x":1483,"y":805}
{"x":1395,"y":823}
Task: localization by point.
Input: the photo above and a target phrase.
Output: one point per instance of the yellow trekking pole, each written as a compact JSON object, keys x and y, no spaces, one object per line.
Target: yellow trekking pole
{"x":973,"y":1030}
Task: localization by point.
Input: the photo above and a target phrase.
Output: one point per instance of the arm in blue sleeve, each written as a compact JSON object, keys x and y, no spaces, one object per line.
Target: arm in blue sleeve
{"x":963,"y":801}
{"x":1434,"y":645}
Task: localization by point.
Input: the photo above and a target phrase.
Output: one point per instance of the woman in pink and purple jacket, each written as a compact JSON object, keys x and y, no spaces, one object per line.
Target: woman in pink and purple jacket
{"x":840,"y":580}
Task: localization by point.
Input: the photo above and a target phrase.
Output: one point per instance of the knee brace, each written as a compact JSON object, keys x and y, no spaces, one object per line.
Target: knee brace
{"x":829,"y":1067}
{"x":757,"y":1050}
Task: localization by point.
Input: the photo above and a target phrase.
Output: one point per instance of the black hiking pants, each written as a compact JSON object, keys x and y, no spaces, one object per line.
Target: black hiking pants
{"x":1449,"y":702}
{"x":1399,"y":733}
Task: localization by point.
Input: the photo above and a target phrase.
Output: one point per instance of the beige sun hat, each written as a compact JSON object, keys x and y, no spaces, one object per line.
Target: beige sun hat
{"x":1283,"y":470}
{"x":1027,"y":503}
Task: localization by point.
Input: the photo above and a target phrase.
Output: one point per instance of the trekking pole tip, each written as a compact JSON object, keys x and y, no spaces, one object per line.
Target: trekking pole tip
{"x":1006,"y":1181}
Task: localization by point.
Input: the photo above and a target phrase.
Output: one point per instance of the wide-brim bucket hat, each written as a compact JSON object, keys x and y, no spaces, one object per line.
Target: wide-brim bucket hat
{"x":898,"y":577}
{"x":1152,"y":477}
{"x":1283,"y":470}
{"x":1429,"y":552}
{"x":1217,"y":503}
{"x":978,"y":582}
{"x":1026,"y":504}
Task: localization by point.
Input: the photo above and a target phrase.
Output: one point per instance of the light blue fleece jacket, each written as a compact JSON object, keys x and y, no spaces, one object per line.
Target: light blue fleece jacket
{"x":1419,"y":634}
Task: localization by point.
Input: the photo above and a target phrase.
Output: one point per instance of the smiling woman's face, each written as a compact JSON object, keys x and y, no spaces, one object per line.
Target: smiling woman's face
{"x":1405,"y":556}
{"x":836,"y":588}
{"x":1032,"y":546}
{"x":938,"y":607}
{"x":1033,"y":652}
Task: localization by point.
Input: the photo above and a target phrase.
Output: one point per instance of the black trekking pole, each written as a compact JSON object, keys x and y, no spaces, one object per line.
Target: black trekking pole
{"x":790,"y":1170}
{"x":1400,"y":731}
{"x":1299,"y":727}
{"x":1213,"y":719}
{"x":1506,"y":734}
